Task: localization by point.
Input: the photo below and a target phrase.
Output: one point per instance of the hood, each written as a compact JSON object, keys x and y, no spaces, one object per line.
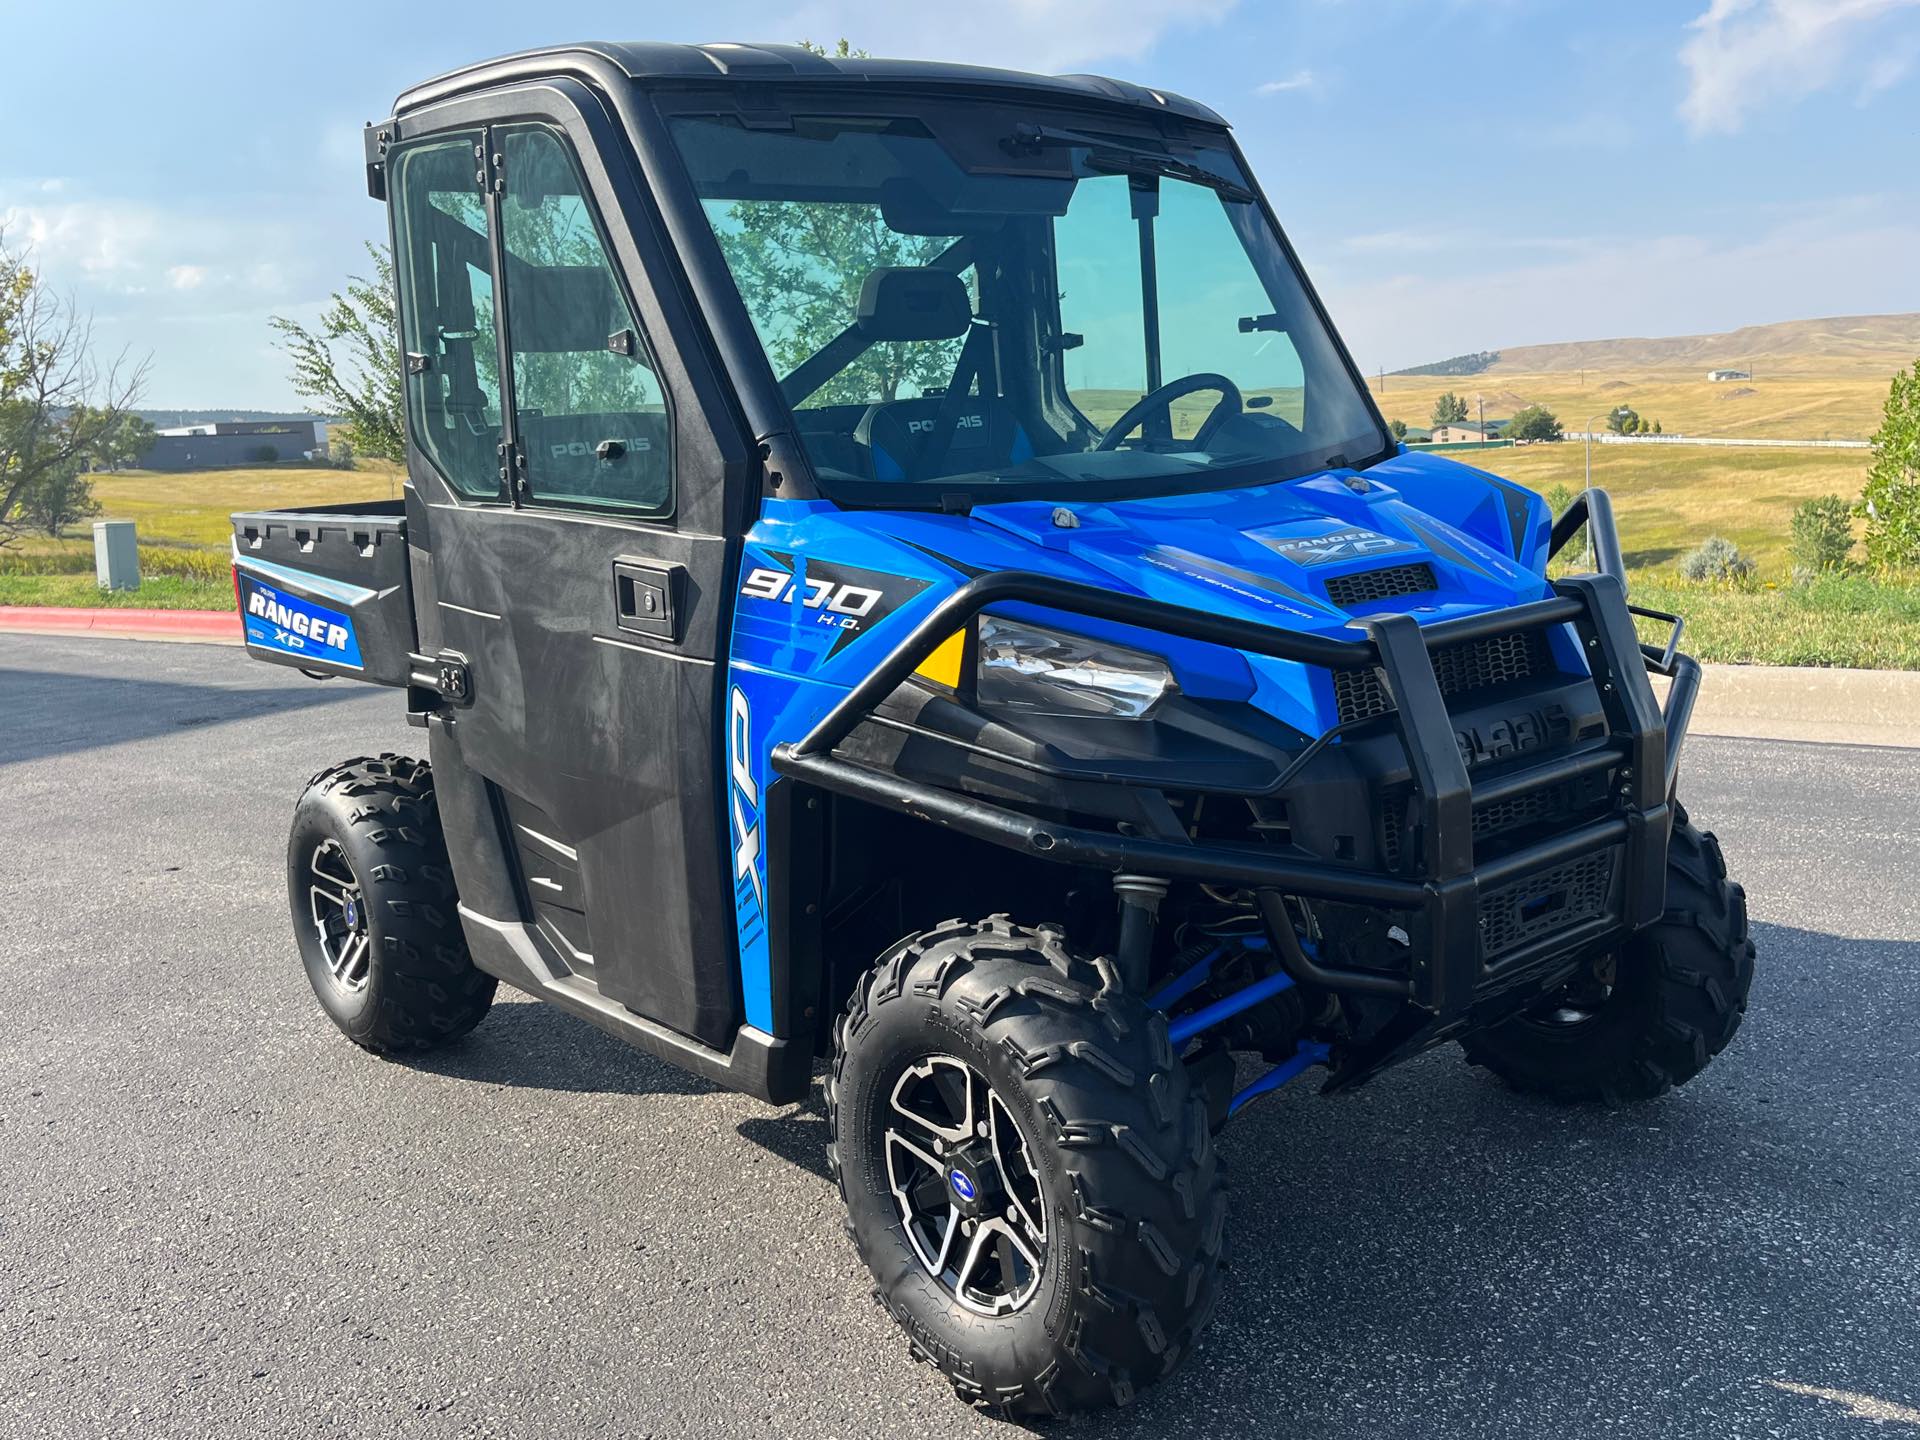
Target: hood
{"x":1311,"y":554}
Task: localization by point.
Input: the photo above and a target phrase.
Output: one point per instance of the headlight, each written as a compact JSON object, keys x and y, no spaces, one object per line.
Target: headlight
{"x":1043,"y":672}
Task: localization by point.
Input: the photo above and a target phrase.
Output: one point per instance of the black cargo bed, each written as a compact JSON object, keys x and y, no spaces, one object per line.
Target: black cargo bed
{"x":327,"y":588}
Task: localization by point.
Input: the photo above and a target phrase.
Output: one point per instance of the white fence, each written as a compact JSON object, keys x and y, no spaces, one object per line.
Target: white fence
{"x":1607,"y":437}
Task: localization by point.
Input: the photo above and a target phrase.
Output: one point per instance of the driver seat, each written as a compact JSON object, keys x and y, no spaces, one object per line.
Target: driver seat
{"x":986,"y":436}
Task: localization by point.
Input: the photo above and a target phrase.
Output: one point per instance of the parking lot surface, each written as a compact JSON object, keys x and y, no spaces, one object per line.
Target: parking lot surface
{"x":219,"y":1218}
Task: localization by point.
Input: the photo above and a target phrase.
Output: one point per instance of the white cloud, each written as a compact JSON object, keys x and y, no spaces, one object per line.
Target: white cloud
{"x":1045,"y":35}
{"x":1299,"y":80}
{"x":1850,"y":256}
{"x":191,"y":285}
{"x":1745,"y":54}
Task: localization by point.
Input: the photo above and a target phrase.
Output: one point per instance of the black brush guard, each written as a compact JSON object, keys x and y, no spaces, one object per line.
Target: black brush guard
{"x":1448,"y":968}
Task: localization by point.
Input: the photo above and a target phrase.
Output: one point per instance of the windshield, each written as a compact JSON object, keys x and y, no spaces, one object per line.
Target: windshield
{"x":965,"y":308}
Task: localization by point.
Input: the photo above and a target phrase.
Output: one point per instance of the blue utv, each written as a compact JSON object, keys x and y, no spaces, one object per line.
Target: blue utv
{"x":897,"y":570}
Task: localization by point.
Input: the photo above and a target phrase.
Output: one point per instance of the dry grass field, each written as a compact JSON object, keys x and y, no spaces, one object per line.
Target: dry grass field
{"x":1786,"y":407}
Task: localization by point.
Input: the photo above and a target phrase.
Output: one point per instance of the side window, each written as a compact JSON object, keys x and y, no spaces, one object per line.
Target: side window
{"x":589,"y":409}
{"x":445,"y":276}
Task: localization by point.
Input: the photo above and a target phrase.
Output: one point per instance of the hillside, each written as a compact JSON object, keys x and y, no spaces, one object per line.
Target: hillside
{"x":1836,"y":344}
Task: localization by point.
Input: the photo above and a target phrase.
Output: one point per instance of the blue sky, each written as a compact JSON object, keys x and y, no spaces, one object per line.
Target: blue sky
{"x":1457,"y":174}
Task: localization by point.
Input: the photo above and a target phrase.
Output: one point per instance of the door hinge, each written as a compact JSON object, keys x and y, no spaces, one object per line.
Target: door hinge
{"x":489,"y":167}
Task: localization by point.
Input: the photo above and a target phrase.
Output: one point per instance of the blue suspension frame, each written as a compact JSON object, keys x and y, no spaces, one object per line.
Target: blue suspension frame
{"x":1308,"y":1054}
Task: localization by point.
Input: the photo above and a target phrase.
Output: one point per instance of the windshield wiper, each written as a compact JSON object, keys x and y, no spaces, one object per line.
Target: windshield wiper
{"x":1117,"y":157}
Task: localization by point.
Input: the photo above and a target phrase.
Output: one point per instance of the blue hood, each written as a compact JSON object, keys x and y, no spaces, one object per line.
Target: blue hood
{"x":1263,"y":553}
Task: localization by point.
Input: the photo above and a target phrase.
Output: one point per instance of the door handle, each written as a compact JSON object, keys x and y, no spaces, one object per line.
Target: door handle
{"x":646,"y":597}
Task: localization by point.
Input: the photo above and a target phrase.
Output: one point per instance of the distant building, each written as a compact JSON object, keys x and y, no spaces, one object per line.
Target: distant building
{"x":1467,"y":432}
{"x":1718,"y":375}
{"x":230,"y":442}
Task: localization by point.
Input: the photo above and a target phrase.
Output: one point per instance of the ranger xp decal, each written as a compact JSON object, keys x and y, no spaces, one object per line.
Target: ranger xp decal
{"x":1348,"y":544}
{"x":844,"y":597}
{"x":285,"y":623}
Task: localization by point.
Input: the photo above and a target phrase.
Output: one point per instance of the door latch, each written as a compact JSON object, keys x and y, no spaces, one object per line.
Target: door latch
{"x":446,"y":674}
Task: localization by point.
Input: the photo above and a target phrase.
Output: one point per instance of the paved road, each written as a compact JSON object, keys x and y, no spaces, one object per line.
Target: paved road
{"x":218,"y":1218}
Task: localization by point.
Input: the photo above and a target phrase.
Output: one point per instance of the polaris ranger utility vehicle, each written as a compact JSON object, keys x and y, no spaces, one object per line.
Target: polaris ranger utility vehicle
{"x":848,"y":495}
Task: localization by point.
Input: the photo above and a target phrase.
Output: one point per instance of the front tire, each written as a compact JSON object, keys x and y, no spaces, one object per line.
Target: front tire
{"x":1652,"y":1015}
{"x":985,"y":1071}
{"x":375,"y":911}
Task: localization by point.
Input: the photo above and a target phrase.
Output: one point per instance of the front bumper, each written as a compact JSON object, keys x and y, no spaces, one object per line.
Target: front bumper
{"x":1476,"y":931}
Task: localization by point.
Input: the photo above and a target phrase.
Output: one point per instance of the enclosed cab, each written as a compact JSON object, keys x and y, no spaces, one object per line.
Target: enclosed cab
{"x":844,"y":495}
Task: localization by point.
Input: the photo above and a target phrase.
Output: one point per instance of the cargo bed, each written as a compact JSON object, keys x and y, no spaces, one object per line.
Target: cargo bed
{"x":327,"y":588}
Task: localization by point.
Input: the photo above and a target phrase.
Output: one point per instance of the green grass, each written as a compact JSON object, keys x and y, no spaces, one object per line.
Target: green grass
{"x":1666,"y":500}
{"x":161,"y":592}
{"x":1857,"y":621}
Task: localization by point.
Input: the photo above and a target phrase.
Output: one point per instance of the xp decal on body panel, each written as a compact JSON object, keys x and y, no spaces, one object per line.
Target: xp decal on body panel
{"x":278,"y":621}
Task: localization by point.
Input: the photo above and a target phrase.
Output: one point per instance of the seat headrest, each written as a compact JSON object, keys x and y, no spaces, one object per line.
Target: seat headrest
{"x":913,"y":302}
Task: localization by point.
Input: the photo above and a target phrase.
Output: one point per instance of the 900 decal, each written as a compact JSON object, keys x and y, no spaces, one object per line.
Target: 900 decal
{"x":848,"y":604}
{"x":844,"y":598}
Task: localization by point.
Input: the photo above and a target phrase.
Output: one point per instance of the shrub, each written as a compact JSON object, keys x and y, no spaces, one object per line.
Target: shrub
{"x":1559,"y":497}
{"x":1716,"y":558}
{"x":1822,"y":536}
{"x":1891,"y":500}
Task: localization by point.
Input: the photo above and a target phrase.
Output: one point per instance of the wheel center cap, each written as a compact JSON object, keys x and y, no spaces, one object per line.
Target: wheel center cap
{"x":351,"y":912}
{"x":963,"y":1187}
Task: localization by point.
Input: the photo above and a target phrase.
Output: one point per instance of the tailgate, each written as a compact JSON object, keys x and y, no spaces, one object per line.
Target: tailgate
{"x":327,"y":589}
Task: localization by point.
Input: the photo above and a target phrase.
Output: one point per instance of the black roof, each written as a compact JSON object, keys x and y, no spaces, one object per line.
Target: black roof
{"x":647,"y":61}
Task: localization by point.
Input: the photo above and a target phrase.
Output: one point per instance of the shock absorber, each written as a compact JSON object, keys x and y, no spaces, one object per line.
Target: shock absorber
{"x":1139,"y":897}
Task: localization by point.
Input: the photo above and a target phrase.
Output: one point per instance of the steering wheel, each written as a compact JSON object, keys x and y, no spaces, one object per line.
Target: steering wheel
{"x":1162,"y":399}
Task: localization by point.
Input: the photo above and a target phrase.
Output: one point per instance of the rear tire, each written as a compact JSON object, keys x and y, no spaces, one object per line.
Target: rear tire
{"x":1114,"y":1161}
{"x":1677,"y":995}
{"x":375,"y":911}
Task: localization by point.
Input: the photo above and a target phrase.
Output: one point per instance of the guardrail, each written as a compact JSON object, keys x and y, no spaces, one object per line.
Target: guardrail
{"x":1607,"y":437}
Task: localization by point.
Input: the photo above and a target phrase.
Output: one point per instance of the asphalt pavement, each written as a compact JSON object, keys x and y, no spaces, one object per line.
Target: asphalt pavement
{"x":219,"y":1218}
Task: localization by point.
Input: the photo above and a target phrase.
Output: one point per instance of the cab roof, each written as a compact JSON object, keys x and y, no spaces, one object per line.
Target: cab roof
{"x":650,"y":62}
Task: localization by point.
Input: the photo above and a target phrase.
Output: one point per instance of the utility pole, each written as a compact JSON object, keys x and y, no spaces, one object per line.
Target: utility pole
{"x":1481,"y":401}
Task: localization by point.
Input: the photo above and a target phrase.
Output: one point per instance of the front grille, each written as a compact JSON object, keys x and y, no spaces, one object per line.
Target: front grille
{"x":1462,"y":669}
{"x":1545,"y":903}
{"x":1347,"y":591}
{"x":1496,"y":660}
{"x":1565,"y":803}
{"x":1517,"y":810}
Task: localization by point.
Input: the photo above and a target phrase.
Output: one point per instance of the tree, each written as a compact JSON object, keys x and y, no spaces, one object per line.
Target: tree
{"x":1449,"y":409}
{"x":1399,"y":429}
{"x":1821,"y":536}
{"x":1624,"y":421}
{"x":63,"y":497}
{"x":1656,"y":428}
{"x":127,"y":442}
{"x":800,"y":269}
{"x":59,"y":409}
{"x":1891,"y":499}
{"x":365,"y":384}
{"x":1534,"y":422}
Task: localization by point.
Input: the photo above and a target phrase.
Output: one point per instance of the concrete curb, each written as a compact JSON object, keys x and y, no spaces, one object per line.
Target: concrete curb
{"x":1790,"y":702}
{"x":201,"y":627}
{"x":1753,"y":702}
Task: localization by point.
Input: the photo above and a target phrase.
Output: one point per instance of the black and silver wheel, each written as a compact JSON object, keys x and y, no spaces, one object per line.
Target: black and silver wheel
{"x":375,"y":911}
{"x":339,"y":914}
{"x":965,"y":1184}
{"x":1026,"y":1173}
{"x":1649,"y":1016}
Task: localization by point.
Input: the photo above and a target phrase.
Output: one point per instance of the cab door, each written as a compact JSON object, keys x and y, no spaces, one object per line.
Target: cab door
{"x":571,"y":464}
